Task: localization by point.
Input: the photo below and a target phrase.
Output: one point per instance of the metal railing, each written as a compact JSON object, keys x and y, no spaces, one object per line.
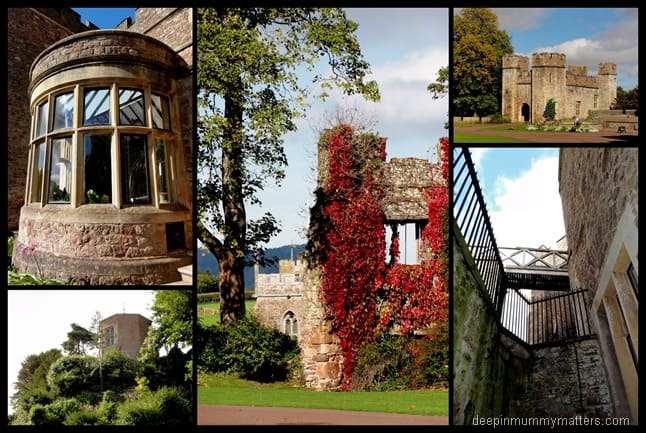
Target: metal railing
{"x":535,"y":320}
{"x":546,"y":319}
{"x":471,"y":217}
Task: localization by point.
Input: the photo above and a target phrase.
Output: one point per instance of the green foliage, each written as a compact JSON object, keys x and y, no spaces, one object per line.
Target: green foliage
{"x":60,"y":408}
{"x":203,"y":298}
{"x":166,"y":406}
{"x":78,"y":340}
{"x":497,"y":118}
{"x":440,"y":88}
{"x":31,"y":384}
{"x":210,"y":343}
{"x":550,"y":110}
{"x":84,"y":416}
{"x":252,"y":350}
{"x":39,"y":415}
{"x":70,"y":375}
{"x":249,"y":93}
{"x":21,"y":279}
{"x":403,"y":362}
{"x":119,"y":371}
{"x":93,"y":197}
{"x":478,"y":48}
{"x":173,"y":313}
{"x":627,"y":99}
{"x":207,"y":283}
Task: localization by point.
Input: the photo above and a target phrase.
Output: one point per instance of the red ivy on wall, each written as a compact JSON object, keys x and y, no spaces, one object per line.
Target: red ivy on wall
{"x":355,"y":274}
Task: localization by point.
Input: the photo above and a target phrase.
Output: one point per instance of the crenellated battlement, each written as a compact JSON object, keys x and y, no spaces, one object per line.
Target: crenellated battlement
{"x":577,"y":70}
{"x":581,"y":81}
{"x":607,"y":69}
{"x":548,"y":60}
{"x":514,"y":61}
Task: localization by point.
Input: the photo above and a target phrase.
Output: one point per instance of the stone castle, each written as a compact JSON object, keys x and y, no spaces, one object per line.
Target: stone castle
{"x":525,"y":91}
{"x":290,"y":300}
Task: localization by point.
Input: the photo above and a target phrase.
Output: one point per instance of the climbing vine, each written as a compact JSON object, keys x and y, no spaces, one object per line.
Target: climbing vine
{"x":416,"y":296}
{"x":361,"y":293}
{"x":355,"y":261}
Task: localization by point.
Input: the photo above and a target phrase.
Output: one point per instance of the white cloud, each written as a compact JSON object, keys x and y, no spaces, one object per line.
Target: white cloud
{"x":477,"y":153}
{"x":527,"y":209}
{"x":520,"y":18}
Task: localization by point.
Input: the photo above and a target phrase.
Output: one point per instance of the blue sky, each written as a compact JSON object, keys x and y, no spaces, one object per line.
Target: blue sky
{"x":587,"y":36}
{"x":405,"y":48}
{"x":105,"y":18}
{"x":520,"y":186}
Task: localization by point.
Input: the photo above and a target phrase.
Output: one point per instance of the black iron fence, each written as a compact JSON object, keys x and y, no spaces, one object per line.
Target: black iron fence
{"x":552,"y":316}
{"x":470,"y":215}
{"x":546,"y":318}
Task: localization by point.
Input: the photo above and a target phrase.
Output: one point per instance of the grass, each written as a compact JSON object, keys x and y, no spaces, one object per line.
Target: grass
{"x":214,"y":319}
{"x":477,"y":138}
{"x":230,"y":390}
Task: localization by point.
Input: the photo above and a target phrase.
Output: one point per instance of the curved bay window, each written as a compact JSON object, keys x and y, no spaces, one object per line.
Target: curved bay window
{"x":108,"y":192}
{"x":122,"y":159}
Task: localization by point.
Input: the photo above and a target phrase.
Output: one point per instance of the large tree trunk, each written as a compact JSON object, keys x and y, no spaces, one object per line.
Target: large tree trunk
{"x":232,"y":258}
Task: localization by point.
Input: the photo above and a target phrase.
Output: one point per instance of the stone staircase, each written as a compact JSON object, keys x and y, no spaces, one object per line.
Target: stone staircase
{"x":186,"y":273}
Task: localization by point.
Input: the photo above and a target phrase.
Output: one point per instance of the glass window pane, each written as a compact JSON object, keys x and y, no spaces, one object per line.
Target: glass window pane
{"x":134,"y":169}
{"x":41,"y":123}
{"x":163,"y":171}
{"x":97,"y":185}
{"x":60,"y":173}
{"x":37,"y":172}
{"x":131,"y":107}
{"x":96,"y":107}
{"x":63,"y":111}
{"x":161,"y":112}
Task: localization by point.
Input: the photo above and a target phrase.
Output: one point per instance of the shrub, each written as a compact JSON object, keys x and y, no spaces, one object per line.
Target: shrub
{"x":119,"y":371}
{"x":550,"y":110}
{"x":497,"y":118}
{"x":84,"y":416}
{"x":207,"y":283}
{"x":166,"y":406}
{"x":403,"y":361}
{"x":247,"y":347}
{"x":62,"y":407}
{"x":203,"y":298}
{"x":39,"y":415}
{"x":73,"y":374}
{"x":210,"y":342}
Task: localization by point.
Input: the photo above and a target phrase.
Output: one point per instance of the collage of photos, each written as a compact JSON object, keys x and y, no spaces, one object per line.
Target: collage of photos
{"x":309,"y":216}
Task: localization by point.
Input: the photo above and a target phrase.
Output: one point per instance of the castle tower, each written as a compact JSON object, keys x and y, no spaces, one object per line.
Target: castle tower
{"x":607,"y":79}
{"x":516,"y":90}
{"x":548,"y":82}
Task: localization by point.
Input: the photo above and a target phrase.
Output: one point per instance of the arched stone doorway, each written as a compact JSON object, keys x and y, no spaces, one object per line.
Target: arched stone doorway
{"x":524,"y":111}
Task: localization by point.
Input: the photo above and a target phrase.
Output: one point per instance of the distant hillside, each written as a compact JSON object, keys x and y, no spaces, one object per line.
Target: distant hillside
{"x":207,"y":262}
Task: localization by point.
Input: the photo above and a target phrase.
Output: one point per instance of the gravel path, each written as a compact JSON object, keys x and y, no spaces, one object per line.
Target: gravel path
{"x":243,"y":415}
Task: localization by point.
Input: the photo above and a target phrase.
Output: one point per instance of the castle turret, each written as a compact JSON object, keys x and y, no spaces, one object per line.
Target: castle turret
{"x":548,"y":82}
{"x":607,"y":79}
{"x":515,"y":87}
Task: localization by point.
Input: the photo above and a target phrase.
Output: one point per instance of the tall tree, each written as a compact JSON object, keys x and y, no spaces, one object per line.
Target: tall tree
{"x":78,"y":340}
{"x":440,"y":88}
{"x":249,"y":92}
{"x":478,"y":48}
{"x":32,"y":377}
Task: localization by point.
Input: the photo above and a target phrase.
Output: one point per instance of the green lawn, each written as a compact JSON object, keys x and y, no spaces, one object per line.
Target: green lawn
{"x":214,"y":319}
{"x":229,"y":390}
{"x":476,"y":138}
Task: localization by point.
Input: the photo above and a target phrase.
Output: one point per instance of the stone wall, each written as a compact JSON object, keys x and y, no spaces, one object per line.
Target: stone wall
{"x":174,"y":27}
{"x":549,"y":79}
{"x":130,"y":330}
{"x":405,"y":182}
{"x":29,"y":31}
{"x":568,"y":380}
{"x":610,"y":176}
{"x":490,"y":370}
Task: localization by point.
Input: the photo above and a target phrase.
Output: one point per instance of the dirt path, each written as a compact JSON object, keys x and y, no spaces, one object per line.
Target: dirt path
{"x":607,"y":136}
{"x":243,"y":415}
